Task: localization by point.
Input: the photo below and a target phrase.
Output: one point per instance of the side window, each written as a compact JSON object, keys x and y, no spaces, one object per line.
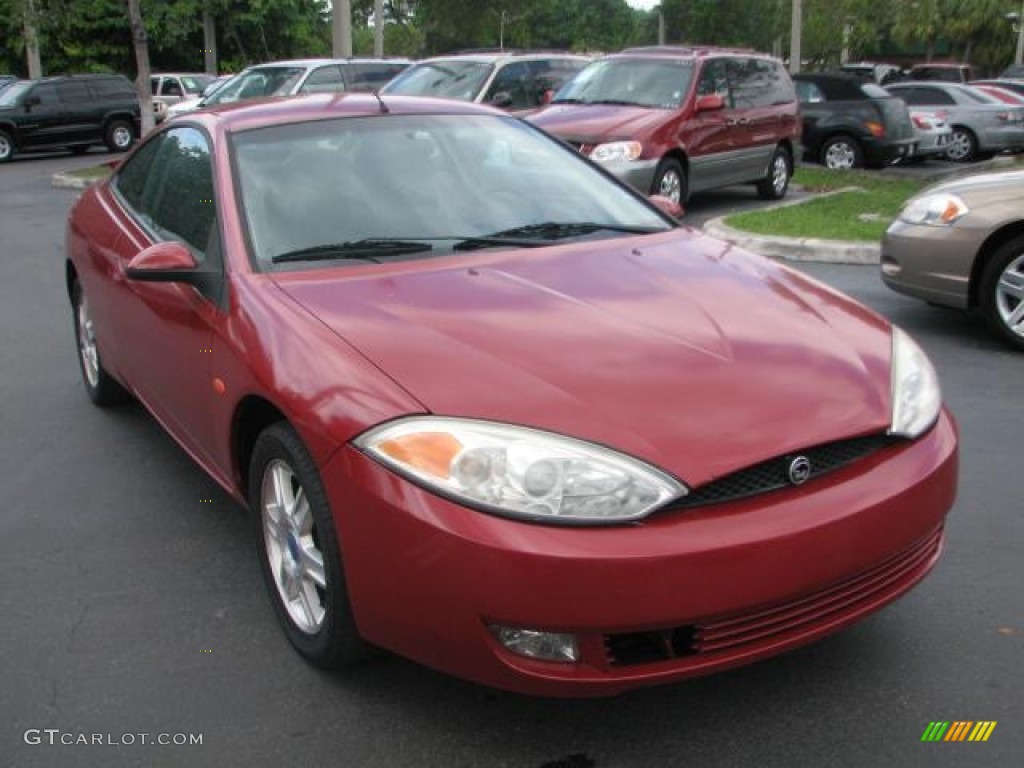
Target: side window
{"x":111,"y":88}
{"x":172,"y":87}
{"x":154,"y":85}
{"x":782,"y":91}
{"x":47,"y":95}
{"x":130,"y":179}
{"x":369,"y":77}
{"x":511,"y":86}
{"x":713,"y":80}
{"x":747,"y":91}
{"x":323,"y":80}
{"x":932,"y":96}
{"x":550,"y":75}
{"x":73,"y":94}
{"x":169,"y":184}
{"x":809,"y":93}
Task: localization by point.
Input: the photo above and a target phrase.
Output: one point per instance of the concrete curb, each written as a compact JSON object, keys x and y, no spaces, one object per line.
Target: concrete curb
{"x":64,"y":181}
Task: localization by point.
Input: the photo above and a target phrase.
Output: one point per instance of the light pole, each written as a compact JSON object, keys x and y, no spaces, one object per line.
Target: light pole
{"x":1017,"y":59}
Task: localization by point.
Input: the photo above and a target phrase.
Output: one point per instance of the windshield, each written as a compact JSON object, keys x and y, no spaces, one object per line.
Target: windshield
{"x":659,"y":83}
{"x":460,"y":80}
{"x":9,"y":95}
{"x":195,"y":84}
{"x":420,"y":185}
{"x":255,"y":84}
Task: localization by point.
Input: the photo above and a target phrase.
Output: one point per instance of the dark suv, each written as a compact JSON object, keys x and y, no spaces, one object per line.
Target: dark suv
{"x":72,"y":111}
{"x":675,"y":120}
{"x":848,"y":123}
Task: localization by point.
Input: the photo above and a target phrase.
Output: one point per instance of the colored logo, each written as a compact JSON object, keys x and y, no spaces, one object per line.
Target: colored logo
{"x":959,"y":730}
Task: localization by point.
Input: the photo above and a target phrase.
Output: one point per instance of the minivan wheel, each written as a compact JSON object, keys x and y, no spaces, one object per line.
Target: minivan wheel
{"x":963,"y":146}
{"x":774,"y":185}
{"x":670,"y":181}
{"x":119,"y":136}
{"x":1002,"y":292}
{"x":299,"y":552}
{"x":842,"y":153}
{"x":6,"y":147}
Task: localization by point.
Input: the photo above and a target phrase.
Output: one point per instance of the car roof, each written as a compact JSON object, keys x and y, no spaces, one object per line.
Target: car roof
{"x":242,"y":116}
{"x":181,"y":74}
{"x":317,"y":62}
{"x":686,"y":51}
{"x":491,"y":57}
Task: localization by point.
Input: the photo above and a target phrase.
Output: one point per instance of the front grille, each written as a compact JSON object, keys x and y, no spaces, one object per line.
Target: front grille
{"x":773,"y":474}
{"x":739,"y":631}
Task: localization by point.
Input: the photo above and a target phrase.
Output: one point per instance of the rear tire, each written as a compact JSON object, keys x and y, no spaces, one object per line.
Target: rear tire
{"x":775,"y":184}
{"x":842,"y":153}
{"x":102,"y":388}
{"x":670,"y":181}
{"x":298,"y":551}
{"x":6,"y":147}
{"x":119,"y":136}
{"x":963,"y":145}
{"x":1002,"y":292}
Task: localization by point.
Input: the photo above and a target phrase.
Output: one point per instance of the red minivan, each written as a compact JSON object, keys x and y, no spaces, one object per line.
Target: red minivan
{"x":676,"y":120}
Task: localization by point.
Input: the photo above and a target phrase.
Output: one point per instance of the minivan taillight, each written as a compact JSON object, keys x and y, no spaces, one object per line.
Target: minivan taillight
{"x":877,"y":129}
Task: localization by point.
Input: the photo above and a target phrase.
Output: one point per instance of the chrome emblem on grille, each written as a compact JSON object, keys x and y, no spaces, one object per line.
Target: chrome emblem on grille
{"x":799,"y":470}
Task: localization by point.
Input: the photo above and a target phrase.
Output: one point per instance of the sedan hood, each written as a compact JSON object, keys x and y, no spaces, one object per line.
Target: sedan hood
{"x":595,"y":123}
{"x":1008,"y":185}
{"x":676,"y":348}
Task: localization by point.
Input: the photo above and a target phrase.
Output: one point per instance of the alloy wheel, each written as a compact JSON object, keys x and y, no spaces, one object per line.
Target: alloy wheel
{"x":1009,"y":296}
{"x":87,"y":344}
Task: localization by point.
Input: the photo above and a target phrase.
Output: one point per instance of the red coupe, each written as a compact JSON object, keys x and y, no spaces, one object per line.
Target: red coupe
{"x":495,"y":411}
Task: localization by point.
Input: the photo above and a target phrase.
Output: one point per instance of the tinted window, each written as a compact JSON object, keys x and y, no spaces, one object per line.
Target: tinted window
{"x":714,"y":81}
{"x":323,"y":80}
{"x":930,"y":96}
{"x":47,"y":95}
{"x":172,"y":87}
{"x":169,"y":184}
{"x":552,"y":74}
{"x":511,"y":86}
{"x":112,"y":87}
{"x":758,"y":83}
{"x":154,"y":85}
{"x":73,"y":93}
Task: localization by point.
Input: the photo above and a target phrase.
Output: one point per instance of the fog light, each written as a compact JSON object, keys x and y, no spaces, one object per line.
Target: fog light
{"x":547,"y":646}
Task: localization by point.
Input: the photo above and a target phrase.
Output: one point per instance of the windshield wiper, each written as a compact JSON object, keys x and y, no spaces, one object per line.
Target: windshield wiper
{"x":535,"y":235}
{"x":617,"y":102}
{"x":369,"y":248}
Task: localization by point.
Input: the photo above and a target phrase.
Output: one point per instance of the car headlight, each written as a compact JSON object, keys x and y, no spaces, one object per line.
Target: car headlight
{"x":520,"y":472}
{"x":916,"y":396}
{"x":939,"y":209}
{"x":616,"y":151}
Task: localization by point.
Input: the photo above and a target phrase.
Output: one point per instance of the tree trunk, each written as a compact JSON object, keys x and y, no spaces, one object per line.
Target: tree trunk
{"x":140,"y":42}
{"x":209,"y":41}
{"x":35,"y":67}
{"x":378,"y":29}
{"x":341,"y":24}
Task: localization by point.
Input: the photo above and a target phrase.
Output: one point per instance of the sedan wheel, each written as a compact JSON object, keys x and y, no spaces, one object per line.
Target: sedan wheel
{"x":1002,"y":292}
{"x":963,"y":147}
{"x":842,"y":153}
{"x":299,"y":552}
{"x":101,"y":387}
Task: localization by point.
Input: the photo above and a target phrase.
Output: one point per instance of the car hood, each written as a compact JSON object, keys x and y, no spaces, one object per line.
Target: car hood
{"x":594,"y":123}
{"x":676,"y":348}
{"x":1002,"y":187}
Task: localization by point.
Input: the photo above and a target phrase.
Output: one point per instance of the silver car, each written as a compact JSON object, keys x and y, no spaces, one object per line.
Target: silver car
{"x":961,"y":244}
{"x":982,"y":125}
{"x":932,"y":132}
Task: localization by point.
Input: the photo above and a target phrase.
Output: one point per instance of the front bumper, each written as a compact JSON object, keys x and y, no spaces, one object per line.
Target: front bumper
{"x":638,"y":173}
{"x":746,"y":580}
{"x":931,"y":263}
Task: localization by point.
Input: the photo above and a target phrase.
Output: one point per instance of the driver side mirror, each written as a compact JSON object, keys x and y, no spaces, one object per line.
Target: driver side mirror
{"x":167,"y":262}
{"x":710,"y":102}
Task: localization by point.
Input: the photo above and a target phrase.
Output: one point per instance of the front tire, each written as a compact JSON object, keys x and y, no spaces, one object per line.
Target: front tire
{"x":298,"y":550}
{"x":842,"y":153}
{"x":102,"y":388}
{"x":670,"y":181}
{"x":1002,"y":292}
{"x":775,"y":184}
{"x":119,"y":136}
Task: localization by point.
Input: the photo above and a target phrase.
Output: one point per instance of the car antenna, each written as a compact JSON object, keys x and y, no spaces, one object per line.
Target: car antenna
{"x":383,"y":107}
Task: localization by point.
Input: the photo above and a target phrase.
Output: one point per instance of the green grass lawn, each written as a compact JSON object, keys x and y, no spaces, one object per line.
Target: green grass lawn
{"x":95,"y":173}
{"x":861,"y":214}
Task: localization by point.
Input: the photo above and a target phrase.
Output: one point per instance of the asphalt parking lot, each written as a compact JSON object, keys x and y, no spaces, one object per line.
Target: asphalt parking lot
{"x":132,"y":601}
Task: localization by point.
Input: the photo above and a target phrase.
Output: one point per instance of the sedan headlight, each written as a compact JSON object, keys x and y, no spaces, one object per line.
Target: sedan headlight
{"x":916,"y":396}
{"x":939,"y":209}
{"x":616,"y":151}
{"x":520,"y":472}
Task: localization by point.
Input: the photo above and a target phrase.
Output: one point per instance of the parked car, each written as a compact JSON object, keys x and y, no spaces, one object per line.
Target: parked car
{"x":171,"y":87}
{"x":69,"y":111}
{"x":1013,"y":72}
{"x":961,"y":244}
{"x":848,"y":123}
{"x":675,"y":121}
{"x":982,"y":125}
{"x":193,"y":102}
{"x":932,"y":133}
{"x":390,"y":332}
{"x":515,"y":81}
{"x":286,"y":78}
{"x":1005,"y":95}
{"x":6,"y":80}
{"x":942,"y":71}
